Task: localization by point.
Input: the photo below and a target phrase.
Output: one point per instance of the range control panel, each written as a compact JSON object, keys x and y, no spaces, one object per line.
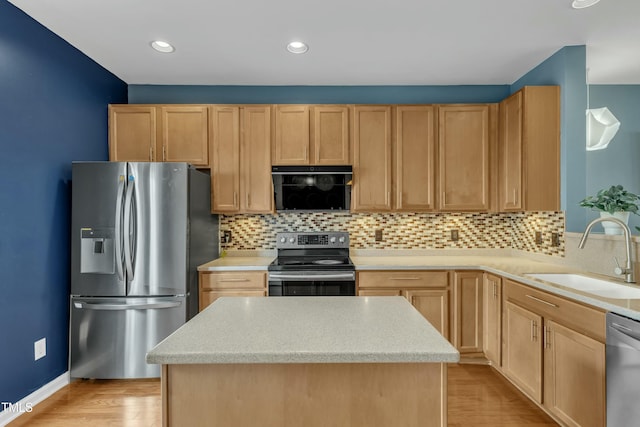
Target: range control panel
{"x":312,"y":240}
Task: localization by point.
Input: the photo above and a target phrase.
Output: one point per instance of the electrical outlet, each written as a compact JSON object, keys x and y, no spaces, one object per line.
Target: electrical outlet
{"x":454,"y":235}
{"x":225,"y":236}
{"x":538,"y":238}
{"x":40,"y":349}
{"x":378,"y":235}
{"x":555,"y":239}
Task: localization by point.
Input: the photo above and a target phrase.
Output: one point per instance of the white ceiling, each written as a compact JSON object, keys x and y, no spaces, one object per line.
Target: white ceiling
{"x":352,"y":42}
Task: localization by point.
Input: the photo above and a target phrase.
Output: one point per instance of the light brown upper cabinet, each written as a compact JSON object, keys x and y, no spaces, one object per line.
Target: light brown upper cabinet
{"x":291,"y":142}
{"x":414,"y":153}
{"x":132,"y":133}
{"x":241,"y":159}
{"x":185,"y":134}
{"x":529,"y":150}
{"x":171,"y":133}
{"x":330,"y":135}
{"x":225,"y":159}
{"x":311,"y":135}
{"x":371,"y":158}
{"x":464,"y":143}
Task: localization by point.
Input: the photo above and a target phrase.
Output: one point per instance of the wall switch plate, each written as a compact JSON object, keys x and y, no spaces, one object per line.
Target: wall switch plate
{"x":555,"y":239}
{"x":378,"y":235}
{"x":40,"y":349}
{"x":538,"y":238}
{"x":225,"y":236}
{"x":454,"y":235}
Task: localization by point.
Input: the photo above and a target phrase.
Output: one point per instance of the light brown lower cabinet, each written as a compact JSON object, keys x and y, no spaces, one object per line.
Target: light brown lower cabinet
{"x":554,"y":351}
{"x":467,"y":312}
{"x":522,"y":356}
{"x":427,"y":291}
{"x":492,"y":318}
{"x":214,"y":285}
{"x":574,"y":376}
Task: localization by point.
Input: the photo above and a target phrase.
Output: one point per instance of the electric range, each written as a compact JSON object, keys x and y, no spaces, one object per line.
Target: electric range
{"x":310,"y":264}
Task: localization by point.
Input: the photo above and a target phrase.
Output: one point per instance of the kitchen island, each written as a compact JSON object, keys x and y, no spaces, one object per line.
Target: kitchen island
{"x":312,"y":361}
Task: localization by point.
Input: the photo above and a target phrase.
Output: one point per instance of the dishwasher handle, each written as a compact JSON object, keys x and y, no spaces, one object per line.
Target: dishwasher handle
{"x":618,"y":334}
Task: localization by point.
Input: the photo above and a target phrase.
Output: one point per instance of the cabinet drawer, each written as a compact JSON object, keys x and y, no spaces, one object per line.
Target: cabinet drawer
{"x":403,"y":279}
{"x":587,"y":320}
{"x":232,"y":280}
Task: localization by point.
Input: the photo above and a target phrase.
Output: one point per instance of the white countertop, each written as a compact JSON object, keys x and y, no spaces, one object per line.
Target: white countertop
{"x":237,"y":263}
{"x":513,"y":268}
{"x":306,"y":330}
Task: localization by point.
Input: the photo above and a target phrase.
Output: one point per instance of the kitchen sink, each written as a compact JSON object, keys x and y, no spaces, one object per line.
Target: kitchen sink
{"x":603,"y":288}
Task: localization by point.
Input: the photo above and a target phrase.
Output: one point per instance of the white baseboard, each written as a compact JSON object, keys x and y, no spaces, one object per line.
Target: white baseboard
{"x":34,"y":398}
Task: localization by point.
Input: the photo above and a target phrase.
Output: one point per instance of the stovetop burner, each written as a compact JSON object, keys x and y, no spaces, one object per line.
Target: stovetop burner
{"x":327,"y":262}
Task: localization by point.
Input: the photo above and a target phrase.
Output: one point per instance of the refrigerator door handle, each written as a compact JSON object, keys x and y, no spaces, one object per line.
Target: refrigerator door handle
{"x":119,"y":236}
{"x":143,"y":306}
{"x":127,"y":229}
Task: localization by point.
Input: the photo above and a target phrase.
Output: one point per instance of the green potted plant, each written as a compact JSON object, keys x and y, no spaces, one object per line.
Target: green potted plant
{"x":613,"y":201}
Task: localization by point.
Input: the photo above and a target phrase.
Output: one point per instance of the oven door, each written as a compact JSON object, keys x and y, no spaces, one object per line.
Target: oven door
{"x":312,"y":283}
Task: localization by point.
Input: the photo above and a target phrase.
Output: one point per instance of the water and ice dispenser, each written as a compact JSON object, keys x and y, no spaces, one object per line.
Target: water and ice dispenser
{"x":97,"y":250}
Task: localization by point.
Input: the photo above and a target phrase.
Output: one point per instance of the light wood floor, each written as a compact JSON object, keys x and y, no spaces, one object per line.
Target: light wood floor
{"x":478,"y":396}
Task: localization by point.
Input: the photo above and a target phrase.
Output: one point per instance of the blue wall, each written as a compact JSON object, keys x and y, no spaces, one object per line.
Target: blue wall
{"x":619,"y":163}
{"x":151,"y":94}
{"x":567,"y":68}
{"x":53,"y":109}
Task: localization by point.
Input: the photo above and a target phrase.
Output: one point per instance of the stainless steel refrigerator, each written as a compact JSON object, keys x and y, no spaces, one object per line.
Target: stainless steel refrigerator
{"x":138,"y":232}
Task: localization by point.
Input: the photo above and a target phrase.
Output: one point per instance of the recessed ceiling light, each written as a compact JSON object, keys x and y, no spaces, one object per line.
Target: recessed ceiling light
{"x":161,"y":46}
{"x":581,"y":4}
{"x":297,"y":47}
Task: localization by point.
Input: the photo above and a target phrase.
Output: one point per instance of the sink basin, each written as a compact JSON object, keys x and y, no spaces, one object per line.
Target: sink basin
{"x":603,"y":288}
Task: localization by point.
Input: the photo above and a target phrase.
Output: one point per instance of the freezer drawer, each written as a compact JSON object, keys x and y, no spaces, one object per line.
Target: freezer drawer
{"x":110,"y":337}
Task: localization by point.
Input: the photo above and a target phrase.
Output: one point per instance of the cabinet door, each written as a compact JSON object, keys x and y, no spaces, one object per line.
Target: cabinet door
{"x":492,"y":315}
{"x":330,"y":135}
{"x":467,"y":312}
{"x":255,"y":164}
{"x":511,"y":197}
{"x":463,"y":141}
{"x":185,"y":134}
{"x":132,"y":133}
{"x":207,"y":297}
{"x":574,"y":377}
{"x":414,"y":158}
{"x":372,"y":158}
{"x":225,"y":159}
{"x":291,"y":144}
{"x":433,"y":305}
{"x":541,"y":147}
{"x":522,"y":352}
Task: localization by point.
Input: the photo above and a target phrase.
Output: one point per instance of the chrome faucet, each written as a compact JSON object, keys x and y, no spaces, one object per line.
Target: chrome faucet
{"x":627,"y":271}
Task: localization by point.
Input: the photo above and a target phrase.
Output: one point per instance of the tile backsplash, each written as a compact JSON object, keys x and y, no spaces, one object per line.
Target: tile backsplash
{"x":405,"y":230}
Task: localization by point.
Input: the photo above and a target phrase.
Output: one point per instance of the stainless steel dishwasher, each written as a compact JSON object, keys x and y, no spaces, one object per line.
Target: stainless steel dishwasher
{"x":623,"y":371}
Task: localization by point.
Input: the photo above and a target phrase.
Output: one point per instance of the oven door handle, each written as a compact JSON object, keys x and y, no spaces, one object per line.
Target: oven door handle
{"x":312,"y":277}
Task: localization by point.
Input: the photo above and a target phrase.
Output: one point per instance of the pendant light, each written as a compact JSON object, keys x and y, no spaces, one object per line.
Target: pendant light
{"x":602,"y":125}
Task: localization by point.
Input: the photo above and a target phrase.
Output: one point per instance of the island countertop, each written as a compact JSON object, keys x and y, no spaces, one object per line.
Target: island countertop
{"x":305,"y":330}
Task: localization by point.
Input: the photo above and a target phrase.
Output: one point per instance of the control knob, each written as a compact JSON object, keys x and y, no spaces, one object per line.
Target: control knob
{"x":332,"y":239}
{"x":283,"y":239}
{"x":292,"y":239}
{"x":341,"y":239}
